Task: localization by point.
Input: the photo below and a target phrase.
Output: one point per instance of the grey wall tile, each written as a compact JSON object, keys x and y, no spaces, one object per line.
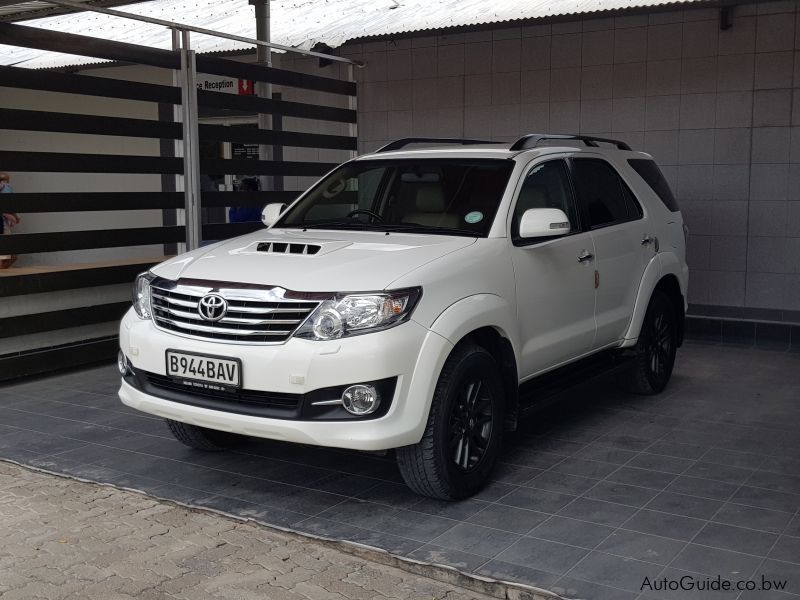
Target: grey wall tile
{"x":696,"y":146}
{"x":699,"y":75}
{"x":700,"y":38}
{"x":765,"y":290}
{"x":398,"y":64}
{"x":630,"y":44}
{"x":774,"y":32}
{"x":535,"y":53}
{"x":793,"y":219}
{"x":596,"y":82}
{"x":735,"y":72}
{"x":662,"y":112}
{"x":628,"y":114}
{"x":565,"y":84}
{"x":725,"y":288}
{"x":598,"y":47}
{"x":729,"y":218}
{"x":595,"y":116}
{"x":399,"y":95}
{"x":734,"y":109}
{"x":740,"y":39}
{"x":728,"y":253}
{"x":768,"y":218}
{"x":506,"y":55}
{"x":771,"y":144}
{"x":450,"y":92}
{"x":791,"y":297}
{"x":698,"y":111}
{"x":773,"y":69}
{"x":663,"y":77}
{"x":664,"y":41}
{"x":506,"y":88}
{"x":663,"y":145}
{"x":478,"y":57}
{"x":566,"y":50}
{"x":698,"y":287}
{"x":423,"y":62}
{"x":772,"y":107}
{"x":534,"y":117}
{"x":478,"y":89}
{"x":629,"y":79}
{"x":767,"y":255}
{"x":535,"y":86}
{"x":769,"y":182}
{"x":564,"y":116}
{"x":695,"y":182}
{"x":450,"y":60}
{"x":698,"y":250}
{"x":731,"y":182}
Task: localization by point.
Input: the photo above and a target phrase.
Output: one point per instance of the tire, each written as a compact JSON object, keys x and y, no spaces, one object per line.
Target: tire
{"x":655,"y":351}
{"x":201,"y":438}
{"x":467,"y":407}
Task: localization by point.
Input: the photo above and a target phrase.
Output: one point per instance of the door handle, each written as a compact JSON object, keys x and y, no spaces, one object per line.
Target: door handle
{"x":585,"y":255}
{"x":647,"y":240}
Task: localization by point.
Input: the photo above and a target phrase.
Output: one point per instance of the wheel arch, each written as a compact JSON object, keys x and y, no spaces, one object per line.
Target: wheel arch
{"x":656,"y":278}
{"x":489,"y":321}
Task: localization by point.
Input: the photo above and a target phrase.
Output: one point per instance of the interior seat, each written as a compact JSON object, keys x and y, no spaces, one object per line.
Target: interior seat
{"x":430,"y":206}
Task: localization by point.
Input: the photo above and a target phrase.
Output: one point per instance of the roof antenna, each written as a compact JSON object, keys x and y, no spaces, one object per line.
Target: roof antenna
{"x":396,"y":5}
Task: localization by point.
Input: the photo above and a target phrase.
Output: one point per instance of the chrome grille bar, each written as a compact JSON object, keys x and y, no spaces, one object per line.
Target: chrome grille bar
{"x":254,"y":315}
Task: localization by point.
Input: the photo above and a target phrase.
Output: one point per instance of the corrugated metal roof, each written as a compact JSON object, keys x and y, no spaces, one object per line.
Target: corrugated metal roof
{"x":11,"y":10}
{"x":302,"y":23}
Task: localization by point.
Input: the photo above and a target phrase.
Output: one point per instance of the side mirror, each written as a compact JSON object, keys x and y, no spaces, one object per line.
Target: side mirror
{"x":543,"y":222}
{"x":271,"y":213}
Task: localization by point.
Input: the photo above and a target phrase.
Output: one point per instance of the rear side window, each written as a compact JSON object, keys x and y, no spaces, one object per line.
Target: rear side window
{"x":603,"y":193}
{"x":652,"y":175}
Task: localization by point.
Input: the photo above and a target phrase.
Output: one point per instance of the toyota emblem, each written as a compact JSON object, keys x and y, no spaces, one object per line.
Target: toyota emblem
{"x":212,"y":307}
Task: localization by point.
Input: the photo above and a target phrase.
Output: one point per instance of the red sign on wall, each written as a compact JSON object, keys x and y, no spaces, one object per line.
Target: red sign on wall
{"x":246,"y":87}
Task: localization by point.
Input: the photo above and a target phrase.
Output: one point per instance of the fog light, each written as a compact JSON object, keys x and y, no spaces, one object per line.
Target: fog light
{"x":361,"y":399}
{"x":122,"y":363}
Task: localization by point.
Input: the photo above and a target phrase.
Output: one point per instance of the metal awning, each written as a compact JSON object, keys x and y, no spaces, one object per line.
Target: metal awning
{"x":305,"y":23}
{"x":13,"y":10}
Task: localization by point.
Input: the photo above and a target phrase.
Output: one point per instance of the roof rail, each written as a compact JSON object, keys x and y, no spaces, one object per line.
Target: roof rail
{"x":532,"y":140}
{"x":397,"y":144}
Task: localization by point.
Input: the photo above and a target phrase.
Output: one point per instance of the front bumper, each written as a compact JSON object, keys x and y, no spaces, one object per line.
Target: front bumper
{"x":409,"y":352}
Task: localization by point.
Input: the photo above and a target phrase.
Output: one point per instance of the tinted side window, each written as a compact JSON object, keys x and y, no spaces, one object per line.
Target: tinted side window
{"x":649,"y":171}
{"x":546,"y":186}
{"x":603,"y":193}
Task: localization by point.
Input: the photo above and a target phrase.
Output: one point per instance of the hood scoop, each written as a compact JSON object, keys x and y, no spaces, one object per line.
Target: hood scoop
{"x":288,"y":248}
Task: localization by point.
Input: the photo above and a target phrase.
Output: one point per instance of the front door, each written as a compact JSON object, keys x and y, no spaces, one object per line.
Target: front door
{"x":554,"y":276}
{"x":623,"y":243}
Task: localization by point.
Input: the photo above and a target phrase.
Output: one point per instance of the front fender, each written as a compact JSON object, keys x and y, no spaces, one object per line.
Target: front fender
{"x":475,"y":312}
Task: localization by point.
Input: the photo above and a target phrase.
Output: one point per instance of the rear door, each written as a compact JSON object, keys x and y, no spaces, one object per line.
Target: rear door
{"x":622,"y":239}
{"x":554,"y":276}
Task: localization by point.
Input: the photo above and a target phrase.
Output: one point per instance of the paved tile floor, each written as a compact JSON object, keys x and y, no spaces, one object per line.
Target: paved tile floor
{"x":593,"y":495}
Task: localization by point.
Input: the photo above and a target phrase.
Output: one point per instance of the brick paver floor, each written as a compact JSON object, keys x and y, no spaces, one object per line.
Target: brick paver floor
{"x":63,"y":538}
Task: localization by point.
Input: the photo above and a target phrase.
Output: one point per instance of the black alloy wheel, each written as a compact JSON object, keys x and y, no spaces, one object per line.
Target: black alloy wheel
{"x":471,"y":424}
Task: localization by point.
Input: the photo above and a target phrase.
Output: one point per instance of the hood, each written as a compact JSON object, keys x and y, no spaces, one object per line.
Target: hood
{"x":313,"y":261}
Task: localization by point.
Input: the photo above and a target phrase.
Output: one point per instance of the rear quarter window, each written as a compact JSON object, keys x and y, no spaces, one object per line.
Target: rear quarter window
{"x":649,"y":171}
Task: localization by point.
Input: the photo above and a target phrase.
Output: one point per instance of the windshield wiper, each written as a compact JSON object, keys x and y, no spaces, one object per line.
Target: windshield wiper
{"x":411,"y":228}
{"x":336,"y":225}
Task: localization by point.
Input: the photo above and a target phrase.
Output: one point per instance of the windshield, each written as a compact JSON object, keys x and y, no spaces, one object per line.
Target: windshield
{"x":445,"y":197}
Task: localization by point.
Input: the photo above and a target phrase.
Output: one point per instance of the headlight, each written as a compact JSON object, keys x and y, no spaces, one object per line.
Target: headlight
{"x":353,"y":314}
{"x":141,"y":295}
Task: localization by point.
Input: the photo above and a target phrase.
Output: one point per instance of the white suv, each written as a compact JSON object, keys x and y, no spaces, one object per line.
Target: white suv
{"x":412,"y":299}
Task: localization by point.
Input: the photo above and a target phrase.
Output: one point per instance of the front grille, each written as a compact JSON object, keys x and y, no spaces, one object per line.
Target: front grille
{"x":254,"y":316}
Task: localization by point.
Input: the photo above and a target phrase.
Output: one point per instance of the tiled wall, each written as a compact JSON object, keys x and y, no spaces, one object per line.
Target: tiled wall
{"x":717,"y":109}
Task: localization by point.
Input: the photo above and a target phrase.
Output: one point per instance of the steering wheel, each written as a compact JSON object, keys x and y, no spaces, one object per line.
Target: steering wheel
{"x":364,"y":211}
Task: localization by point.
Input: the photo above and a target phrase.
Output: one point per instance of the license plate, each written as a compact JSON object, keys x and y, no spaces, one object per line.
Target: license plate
{"x":204,"y":371}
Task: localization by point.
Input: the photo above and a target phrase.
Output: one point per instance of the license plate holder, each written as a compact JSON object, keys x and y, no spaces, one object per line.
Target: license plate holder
{"x":204,"y":371}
